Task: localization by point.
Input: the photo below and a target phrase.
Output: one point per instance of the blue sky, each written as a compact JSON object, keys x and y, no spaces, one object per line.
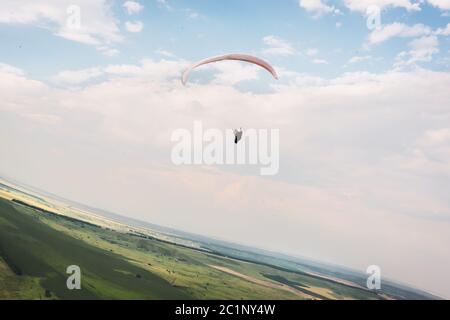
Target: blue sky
{"x":195,"y":29}
{"x":363,"y":116}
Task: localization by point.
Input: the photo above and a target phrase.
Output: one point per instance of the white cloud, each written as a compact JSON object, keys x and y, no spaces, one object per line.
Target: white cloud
{"x":231,"y":73}
{"x":123,"y":69}
{"x":46,"y":119}
{"x":437,"y":137}
{"x":8,"y":69}
{"x":277,"y":46}
{"x":148,"y":69}
{"x":191,"y":14}
{"x":75,"y":77}
{"x":422,"y":50}
{"x":134,"y":26}
{"x":89,"y":21}
{"x":165,"y":53}
{"x":133,"y":7}
{"x":443,"y":31}
{"x":107,"y":51}
{"x":430,"y":153}
{"x":17,"y":91}
{"x":441,"y":4}
{"x":312,"y":52}
{"x":317,"y":7}
{"x":357,"y":59}
{"x":165,"y":4}
{"x":396,"y":29}
{"x":320,"y":61}
{"x":362,"y":5}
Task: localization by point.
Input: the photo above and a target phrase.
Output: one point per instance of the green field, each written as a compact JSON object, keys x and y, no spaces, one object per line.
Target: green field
{"x":35,"y":250}
{"x":37,"y":246}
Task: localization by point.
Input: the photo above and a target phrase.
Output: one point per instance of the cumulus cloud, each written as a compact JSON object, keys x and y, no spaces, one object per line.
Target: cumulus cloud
{"x":74,"y":77}
{"x":441,"y":4}
{"x":134,"y":26}
{"x":8,"y":69}
{"x":277,"y":46}
{"x":230,"y":73}
{"x":165,"y":4}
{"x":89,"y":21}
{"x":109,"y":52}
{"x":317,"y":7}
{"x":133,"y":7}
{"x":165,"y":53}
{"x":17,"y":91}
{"x":396,"y":29}
{"x":357,"y":59}
{"x":421,"y":50}
{"x":363,"y":5}
{"x":443,"y":31}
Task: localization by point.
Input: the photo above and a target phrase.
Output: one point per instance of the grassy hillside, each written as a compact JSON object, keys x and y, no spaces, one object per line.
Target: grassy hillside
{"x":36,"y":246}
{"x":35,"y":251}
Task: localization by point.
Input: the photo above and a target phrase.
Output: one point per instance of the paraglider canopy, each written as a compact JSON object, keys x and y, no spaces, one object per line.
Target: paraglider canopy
{"x":232,"y":56}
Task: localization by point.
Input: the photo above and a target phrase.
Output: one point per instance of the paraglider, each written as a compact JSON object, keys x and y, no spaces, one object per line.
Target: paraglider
{"x":232,"y":56}
{"x":237,"y":135}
